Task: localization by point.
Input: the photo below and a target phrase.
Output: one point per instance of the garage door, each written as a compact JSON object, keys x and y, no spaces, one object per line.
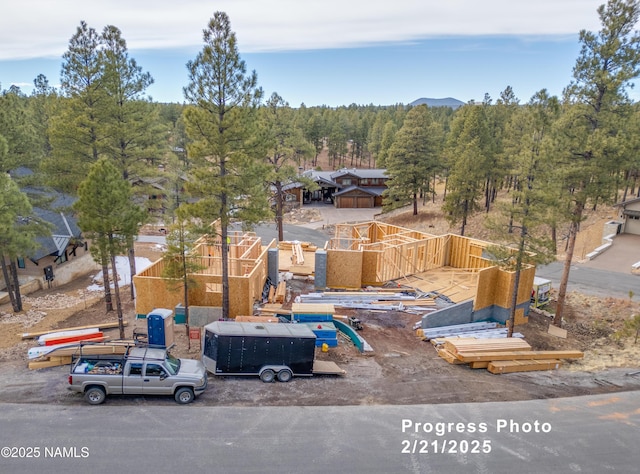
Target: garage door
{"x":346,"y":202}
{"x":364,"y":202}
{"x":632,"y":226}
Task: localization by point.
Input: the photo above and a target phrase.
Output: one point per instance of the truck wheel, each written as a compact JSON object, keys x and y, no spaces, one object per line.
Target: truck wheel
{"x":268,"y":376}
{"x":184,"y":395}
{"x":284,"y":375}
{"x":95,"y":395}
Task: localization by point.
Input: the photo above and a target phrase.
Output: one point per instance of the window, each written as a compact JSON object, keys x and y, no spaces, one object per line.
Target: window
{"x":213,"y":287}
{"x":346,"y":181}
{"x":154,"y":370}
{"x":135,"y":369}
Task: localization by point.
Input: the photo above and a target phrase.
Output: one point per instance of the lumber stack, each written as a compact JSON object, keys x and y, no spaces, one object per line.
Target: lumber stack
{"x":281,"y":292}
{"x":63,"y":355}
{"x":501,"y":356}
{"x":297,"y":254}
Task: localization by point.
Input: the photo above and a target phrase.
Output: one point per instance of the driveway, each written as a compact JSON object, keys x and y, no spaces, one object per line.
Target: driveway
{"x":332,"y":215}
{"x":624,"y":252}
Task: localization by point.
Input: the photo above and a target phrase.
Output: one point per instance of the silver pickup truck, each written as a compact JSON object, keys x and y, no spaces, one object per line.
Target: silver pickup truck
{"x":141,"y":371}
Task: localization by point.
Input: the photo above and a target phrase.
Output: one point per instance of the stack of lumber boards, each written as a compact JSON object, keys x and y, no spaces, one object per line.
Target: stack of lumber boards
{"x":297,"y":254}
{"x":278,"y":293}
{"x":61,"y":349}
{"x":372,"y":300}
{"x":479,"y":330}
{"x":33,"y":335}
{"x":305,"y":246}
{"x":63,"y":355}
{"x":500,"y":356}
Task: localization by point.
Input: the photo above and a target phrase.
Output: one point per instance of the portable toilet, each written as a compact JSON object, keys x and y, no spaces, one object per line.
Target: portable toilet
{"x":160,"y":327}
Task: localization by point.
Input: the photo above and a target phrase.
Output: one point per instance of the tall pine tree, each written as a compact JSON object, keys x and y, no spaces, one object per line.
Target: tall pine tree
{"x":219,"y":122}
{"x":590,"y":138}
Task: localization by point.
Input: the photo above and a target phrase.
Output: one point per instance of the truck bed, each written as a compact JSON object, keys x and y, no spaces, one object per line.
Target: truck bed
{"x":326,"y":367}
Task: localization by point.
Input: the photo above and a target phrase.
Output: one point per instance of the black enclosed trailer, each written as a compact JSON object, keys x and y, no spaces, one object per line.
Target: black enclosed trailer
{"x":270,"y":350}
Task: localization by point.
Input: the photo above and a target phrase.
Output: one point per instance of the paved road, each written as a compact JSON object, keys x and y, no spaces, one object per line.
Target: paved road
{"x":592,"y":434}
{"x":592,"y":281}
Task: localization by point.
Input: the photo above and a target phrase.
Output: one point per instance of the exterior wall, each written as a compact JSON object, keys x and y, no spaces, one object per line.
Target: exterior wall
{"x":344,"y":268}
{"x":373,"y":253}
{"x":248,"y":271}
{"x":32,"y":278}
{"x":632,"y":224}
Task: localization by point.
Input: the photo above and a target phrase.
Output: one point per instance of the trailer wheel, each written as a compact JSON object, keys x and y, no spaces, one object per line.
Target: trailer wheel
{"x":95,"y":395}
{"x":184,"y":395}
{"x":284,"y":375}
{"x":267,"y":376}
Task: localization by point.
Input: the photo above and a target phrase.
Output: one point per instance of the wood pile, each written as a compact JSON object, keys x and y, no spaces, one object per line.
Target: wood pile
{"x":64,"y":355}
{"x":278,"y":293}
{"x":304,"y":246}
{"x":479,"y":330}
{"x":501,"y":356}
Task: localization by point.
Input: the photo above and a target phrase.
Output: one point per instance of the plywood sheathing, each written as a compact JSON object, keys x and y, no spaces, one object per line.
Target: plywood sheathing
{"x":392,"y":253}
{"x":247,"y":274}
{"x":344,"y":269}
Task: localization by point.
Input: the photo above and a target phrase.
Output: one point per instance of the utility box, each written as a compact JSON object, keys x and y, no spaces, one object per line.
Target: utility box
{"x":541,"y":292}
{"x":180,"y":316}
{"x":160,"y":327}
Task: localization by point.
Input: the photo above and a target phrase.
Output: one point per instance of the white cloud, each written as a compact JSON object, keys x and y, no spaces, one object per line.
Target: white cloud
{"x":42,"y":28}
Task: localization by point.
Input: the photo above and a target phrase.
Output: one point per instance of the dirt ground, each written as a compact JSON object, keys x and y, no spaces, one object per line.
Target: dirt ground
{"x":401,"y":370}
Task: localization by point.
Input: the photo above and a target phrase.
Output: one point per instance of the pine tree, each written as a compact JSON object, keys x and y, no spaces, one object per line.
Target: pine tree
{"x":413,"y":159}
{"x":590,"y":137}
{"x":180,"y":261}
{"x":285,"y":148}
{"x":108,"y":217}
{"x":521,"y":222}
{"x":18,"y":231}
{"x":133,"y":133}
{"x":219,"y":123}
{"x":77,"y":132}
{"x":467,"y":150}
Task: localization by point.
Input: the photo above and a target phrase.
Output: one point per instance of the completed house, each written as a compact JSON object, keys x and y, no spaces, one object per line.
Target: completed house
{"x":630,"y":215}
{"x":344,"y":188}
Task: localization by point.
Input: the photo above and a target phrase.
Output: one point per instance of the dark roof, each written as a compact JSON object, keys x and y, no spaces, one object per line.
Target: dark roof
{"x":58,"y":213}
{"x":360,"y":173}
{"x":65,"y":228}
{"x":373,"y":191}
{"x":628,"y":201}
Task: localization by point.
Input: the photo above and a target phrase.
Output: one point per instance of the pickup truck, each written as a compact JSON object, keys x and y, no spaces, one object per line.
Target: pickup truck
{"x":141,"y":371}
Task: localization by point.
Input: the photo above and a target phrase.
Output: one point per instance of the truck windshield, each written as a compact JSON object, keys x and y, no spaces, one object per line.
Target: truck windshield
{"x":173,"y":364}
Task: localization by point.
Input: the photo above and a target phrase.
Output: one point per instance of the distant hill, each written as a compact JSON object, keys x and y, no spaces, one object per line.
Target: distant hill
{"x":448,"y":102}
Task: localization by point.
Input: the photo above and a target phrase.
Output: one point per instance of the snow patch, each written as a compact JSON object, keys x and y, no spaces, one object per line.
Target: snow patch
{"x":124,"y":273}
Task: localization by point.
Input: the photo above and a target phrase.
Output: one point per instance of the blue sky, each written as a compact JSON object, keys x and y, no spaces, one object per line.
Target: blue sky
{"x":323,"y":51}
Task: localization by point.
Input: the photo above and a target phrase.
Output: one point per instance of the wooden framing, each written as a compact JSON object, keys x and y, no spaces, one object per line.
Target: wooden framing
{"x":373,"y":253}
{"x":247,"y":274}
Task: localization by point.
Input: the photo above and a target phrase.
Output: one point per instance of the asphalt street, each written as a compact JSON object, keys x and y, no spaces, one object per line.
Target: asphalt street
{"x":592,"y":281}
{"x":591,"y":434}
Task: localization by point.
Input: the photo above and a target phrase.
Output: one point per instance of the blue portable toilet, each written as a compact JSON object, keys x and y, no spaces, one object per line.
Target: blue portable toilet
{"x":160,"y":327}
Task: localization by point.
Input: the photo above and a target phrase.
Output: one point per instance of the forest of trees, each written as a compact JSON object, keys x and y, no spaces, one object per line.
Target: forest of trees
{"x":228,"y":150}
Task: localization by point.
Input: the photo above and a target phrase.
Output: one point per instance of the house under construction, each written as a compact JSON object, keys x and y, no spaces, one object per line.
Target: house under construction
{"x":359,"y":255}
